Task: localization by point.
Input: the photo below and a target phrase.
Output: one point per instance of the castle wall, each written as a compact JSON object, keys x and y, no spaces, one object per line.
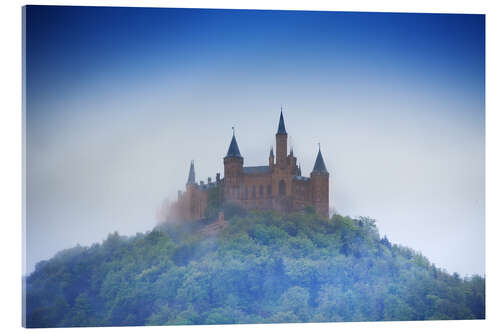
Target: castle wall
{"x":255,"y":191}
{"x":277,"y":189}
{"x":276,"y":186}
{"x":320,"y":193}
{"x":191,"y":205}
{"x":302,"y":196}
{"x":262,"y":191}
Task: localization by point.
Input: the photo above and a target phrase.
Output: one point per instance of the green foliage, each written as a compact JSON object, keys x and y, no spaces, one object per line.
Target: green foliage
{"x":263,"y":267}
{"x":232,"y":209}
{"x":214,"y":202}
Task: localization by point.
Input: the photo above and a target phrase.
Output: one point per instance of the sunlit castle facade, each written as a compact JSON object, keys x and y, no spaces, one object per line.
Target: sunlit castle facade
{"x":279,"y":185}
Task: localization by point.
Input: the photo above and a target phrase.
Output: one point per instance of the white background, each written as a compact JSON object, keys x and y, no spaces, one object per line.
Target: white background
{"x":11,"y":157}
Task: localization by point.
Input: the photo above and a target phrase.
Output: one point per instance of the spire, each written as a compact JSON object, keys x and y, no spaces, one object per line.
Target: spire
{"x":271,"y":152}
{"x":191,"y":177}
{"x":319,"y":165}
{"x":281,"y":125}
{"x":233,"y":150}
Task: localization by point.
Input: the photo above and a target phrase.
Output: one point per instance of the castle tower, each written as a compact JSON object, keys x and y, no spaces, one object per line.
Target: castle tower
{"x":320,"y":186}
{"x":233,"y":171}
{"x":281,"y":142}
{"x":190,"y":210}
{"x":191,"y":177}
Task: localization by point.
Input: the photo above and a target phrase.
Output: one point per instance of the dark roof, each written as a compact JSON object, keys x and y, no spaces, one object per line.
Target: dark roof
{"x":319,"y":165}
{"x":233,"y":150}
{"x":281,"y":125}
{"x":256,"y":169}
{"x":191,"y":177}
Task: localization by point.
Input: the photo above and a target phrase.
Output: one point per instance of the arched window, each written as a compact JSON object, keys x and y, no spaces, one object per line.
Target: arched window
{"x":253,"y":192}
{"x":261,"y":191}
{"x":246,"y":192}
{"x":282,"y":188}
{"x":269,"y":190}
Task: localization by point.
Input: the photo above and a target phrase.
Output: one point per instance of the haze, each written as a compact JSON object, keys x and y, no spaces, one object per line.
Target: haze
{"x":120,"y":100}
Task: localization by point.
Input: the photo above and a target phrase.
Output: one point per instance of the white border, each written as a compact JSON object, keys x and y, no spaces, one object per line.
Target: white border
{"x":11,"y":148}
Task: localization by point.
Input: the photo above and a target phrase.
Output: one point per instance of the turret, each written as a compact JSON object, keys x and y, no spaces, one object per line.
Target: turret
{"x":191,"y":186}
{"x":319,"y":165}
{"x":233,"y":170}
{"x":191,"y":182}
{"x":281,"y":142}
{"x":320,"y":185}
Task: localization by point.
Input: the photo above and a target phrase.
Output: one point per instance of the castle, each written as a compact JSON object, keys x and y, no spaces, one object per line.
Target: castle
{"x":278,"y":186}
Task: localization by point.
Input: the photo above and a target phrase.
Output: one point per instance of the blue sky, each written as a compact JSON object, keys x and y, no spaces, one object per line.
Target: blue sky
{"x":120,"y":100}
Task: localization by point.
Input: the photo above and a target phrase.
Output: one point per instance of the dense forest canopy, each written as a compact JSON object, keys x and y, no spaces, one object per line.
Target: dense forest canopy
{"x":262,"y":268}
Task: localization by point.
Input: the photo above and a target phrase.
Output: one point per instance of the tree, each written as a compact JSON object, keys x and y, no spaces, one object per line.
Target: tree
{"x":296,"y":300}
{"x":263,"y":267}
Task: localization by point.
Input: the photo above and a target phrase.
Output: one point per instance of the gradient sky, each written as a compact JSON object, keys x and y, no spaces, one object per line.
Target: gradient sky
{"x":120,"y":100}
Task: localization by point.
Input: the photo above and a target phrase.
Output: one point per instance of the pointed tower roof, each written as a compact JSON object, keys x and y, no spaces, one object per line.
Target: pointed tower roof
{"x":191,"y":177}
{"x":281,"y":125}
{"x":271,"y":152}
{"x":319,"y":165}
{"x":233,"y":150}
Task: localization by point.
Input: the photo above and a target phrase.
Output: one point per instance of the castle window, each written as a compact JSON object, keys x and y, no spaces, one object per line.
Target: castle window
{"x":282,"y":188}
{"x":253,"y":192}
{"x":246,"y":192}
{"x":269,"y":190}
{"x":261,"y":190}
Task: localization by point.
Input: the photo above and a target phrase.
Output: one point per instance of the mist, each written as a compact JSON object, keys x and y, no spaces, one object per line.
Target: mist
{"x":401,"y":127}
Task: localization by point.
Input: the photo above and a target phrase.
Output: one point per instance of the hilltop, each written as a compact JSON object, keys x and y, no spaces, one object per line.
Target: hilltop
{"x":261,"y":267}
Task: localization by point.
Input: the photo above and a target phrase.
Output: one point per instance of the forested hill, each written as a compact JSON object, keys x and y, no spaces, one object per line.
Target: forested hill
{"x":262,"y":268}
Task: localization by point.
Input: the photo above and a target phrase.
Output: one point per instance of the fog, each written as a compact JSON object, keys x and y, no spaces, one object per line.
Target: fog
{"x":424,"y":184}
{"x":403,"y":141}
